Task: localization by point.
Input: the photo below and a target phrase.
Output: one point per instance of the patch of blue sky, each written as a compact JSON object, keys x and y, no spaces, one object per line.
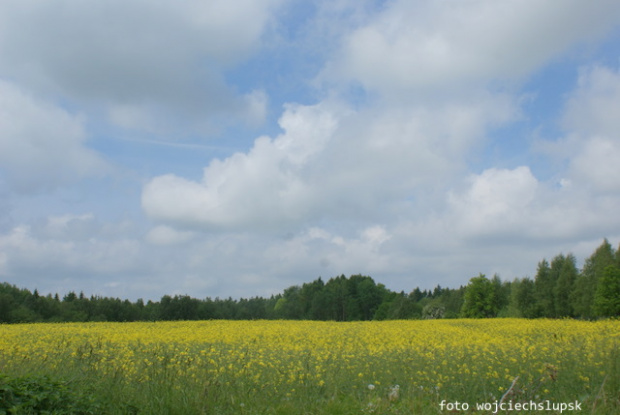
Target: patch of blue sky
{"x":543,"y":102}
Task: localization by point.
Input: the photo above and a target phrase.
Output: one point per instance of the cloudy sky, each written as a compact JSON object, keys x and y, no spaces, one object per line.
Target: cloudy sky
{"x":236,"y":148}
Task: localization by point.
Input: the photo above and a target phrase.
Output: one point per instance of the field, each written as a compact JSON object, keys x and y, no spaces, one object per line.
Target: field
{"x":304,"y":367}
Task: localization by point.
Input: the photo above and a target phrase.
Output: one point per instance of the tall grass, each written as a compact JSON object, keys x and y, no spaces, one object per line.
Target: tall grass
{"x":302,"y":367}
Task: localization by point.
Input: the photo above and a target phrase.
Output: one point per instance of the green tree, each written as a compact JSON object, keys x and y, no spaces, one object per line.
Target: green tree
{"x":524,"y":297}
{"x":307,"y":295}
{"x":320,"y":307}
{"x":452,"y":301}
{"x":434,"y":309}
{"x":545,"y":282}
{"x":565,"y":272}
{"x":290,"y":305}
{"x":416,"y":295}
{"x":368,"y":294}
{"x":582,"y":297}
{"x":607,"y":297}
{"x":501,"y":294}
{"x":398,"y":306}
{"x":338,"y":294}
{"x":7,"y":303}
{"x":480,"y":298}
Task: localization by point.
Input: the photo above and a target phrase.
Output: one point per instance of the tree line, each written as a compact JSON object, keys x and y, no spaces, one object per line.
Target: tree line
{"x":558,"y":290}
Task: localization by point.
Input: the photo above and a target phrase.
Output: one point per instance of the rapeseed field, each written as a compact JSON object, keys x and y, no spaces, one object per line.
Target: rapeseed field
{"x":309,"y":367}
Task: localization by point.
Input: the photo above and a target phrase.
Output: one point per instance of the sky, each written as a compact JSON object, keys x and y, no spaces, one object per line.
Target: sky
{"x":234,"y":149}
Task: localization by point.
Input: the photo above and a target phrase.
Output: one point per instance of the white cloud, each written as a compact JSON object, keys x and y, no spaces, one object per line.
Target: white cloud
{"x":133,"y":117}
{"x":594,"y":107}
{"x":68,"y":227}
{"x":79,"y":243}
{"x":256,"y":102}
{"x":41,"y":145}
{"x":597,"y":165}
{"x":440,"y":45}
{"x":261,"y":188}
{"x":512,"y":204}
{"x":330,"y":162}
{"x":145,"y":62}
{"x":375,"y":235}
{"x":317,"y":251}
{"x":392,"y":179}
{"x":165,"y":235}
{"x":74,"y":252}
{"x":591,"y":146}
{"x":496,"y":201}
{"x":592,"y":118}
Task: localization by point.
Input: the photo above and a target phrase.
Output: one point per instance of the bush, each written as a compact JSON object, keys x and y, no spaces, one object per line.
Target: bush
{"x":42,"y":395}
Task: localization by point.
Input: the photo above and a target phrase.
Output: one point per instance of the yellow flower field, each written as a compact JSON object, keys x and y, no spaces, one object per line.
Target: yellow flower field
{"x":247,"y":364}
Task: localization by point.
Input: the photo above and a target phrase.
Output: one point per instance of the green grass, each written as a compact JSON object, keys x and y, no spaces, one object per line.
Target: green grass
{"x":71,"y":381}
{"x":78,"y":390}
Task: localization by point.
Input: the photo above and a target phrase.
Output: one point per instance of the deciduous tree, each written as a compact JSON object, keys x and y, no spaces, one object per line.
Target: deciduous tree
{"x":480,"y":298}
{"x":607,"y":297}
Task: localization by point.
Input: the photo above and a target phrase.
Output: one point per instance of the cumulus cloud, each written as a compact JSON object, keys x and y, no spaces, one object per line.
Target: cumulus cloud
{"x":512,"y":205}
{"x":145,"y":62}
{"x":596,"y":166}
{"x":593,"y":108}
{"x":165,"y":235}
{"x":495,"y":201}
{"x":260,"y":188}
{"x":576,"y":202}
{"x":319,"y":251}
{"x":441,"y":45}
{"x":330,"y":162}
{"x":384,"y":169}
{"x":29,"y":249}
{"x":67,"y":227}
{"x":78,"y":252}
{"x":41,"y":145}
{"x":590,"y":147}
{"x":592,"y":118}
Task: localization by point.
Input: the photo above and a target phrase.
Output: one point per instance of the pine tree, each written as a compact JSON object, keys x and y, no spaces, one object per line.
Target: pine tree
{"x":525,"y":298}
{"x":607,"y":297}
{"x":582,"y":297}
{"x":545,"y":283}
{"x":567,"y":274}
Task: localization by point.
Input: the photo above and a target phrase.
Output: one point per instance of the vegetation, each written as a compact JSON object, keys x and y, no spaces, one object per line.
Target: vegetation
{"x":278,"y":367}
{"x":43,"y":395}
{"x":342,"y":365}
{"x":558,"y":290}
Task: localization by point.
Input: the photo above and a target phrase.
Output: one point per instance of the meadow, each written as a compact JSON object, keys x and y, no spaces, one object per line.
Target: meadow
{"x":310,"y":367}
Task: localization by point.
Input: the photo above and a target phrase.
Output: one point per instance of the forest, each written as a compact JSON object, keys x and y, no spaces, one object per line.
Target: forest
{"x":558,"y":290}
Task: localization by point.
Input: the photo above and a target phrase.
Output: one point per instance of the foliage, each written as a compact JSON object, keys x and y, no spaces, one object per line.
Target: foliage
{"x":524,"y":298}
{"x":545,"y":281}
{"x":566,"y":269}
{"x":278,"y":367}
{"x":480,"y":298}
{"x":558,"y":290}
{"x":43,"y":395}
{"x":587,"y":282}
{"x":607,"y":298}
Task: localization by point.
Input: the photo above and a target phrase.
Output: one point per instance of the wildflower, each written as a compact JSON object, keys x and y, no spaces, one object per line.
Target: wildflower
{"x":394,"y":393}
{"x":371,"y":387}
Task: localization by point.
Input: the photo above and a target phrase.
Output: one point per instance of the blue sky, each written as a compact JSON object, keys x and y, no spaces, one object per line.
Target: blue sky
{"x":237,"y":148}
